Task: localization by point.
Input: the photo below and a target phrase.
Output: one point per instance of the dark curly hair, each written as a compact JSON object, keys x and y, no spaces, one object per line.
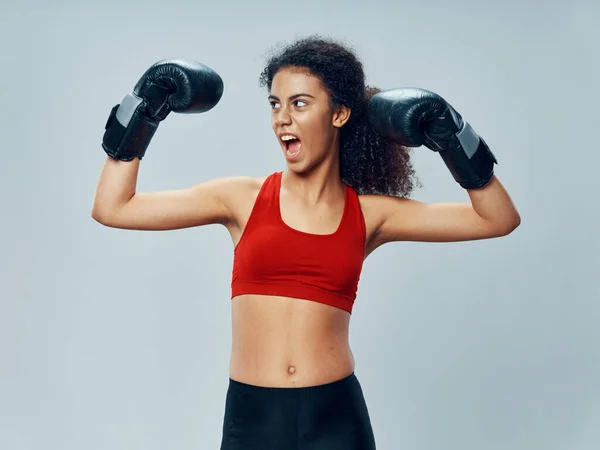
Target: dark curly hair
{"x":368,"y":162}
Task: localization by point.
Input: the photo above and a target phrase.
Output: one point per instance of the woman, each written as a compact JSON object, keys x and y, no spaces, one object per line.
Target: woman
{"x":301,"y":235}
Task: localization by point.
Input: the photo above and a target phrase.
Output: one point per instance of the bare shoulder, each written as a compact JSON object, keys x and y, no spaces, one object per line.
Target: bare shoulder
{"x":241,"y":192}
{"x":240,"y":188}
{"x":376,"y":210}
{"x":237,"y":183}
{"x":376,"y":207}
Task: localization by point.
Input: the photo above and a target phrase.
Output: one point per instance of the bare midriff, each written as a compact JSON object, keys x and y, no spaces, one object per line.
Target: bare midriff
{"x":286,"y":342}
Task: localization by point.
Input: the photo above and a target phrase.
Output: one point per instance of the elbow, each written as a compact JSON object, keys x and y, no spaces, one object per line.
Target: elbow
{"x":98,"y":217}
{"x":509,"y":226}
{"x":96,"y":213}
{"x":101,"y":216}
{"x":515,"y":222}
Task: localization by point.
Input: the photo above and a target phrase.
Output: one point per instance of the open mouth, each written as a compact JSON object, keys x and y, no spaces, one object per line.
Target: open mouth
{"x":292,"y":144}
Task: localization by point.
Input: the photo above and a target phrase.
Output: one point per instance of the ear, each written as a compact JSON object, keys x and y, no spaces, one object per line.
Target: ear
{"x":341,"y":116}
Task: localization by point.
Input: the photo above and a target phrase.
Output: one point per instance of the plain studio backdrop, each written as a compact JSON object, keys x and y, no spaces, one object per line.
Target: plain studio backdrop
{"x":113,"y":339}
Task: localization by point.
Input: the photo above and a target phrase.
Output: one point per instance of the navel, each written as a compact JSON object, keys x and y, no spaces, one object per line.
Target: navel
{"x":291,"y":370}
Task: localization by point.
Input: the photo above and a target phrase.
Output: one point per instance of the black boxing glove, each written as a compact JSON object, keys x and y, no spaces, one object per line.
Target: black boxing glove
{"x":414,"y":117}
{"x":169,"y":85}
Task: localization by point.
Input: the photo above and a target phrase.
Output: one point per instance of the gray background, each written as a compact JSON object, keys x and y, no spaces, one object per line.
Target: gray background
{"x":113,"y":339}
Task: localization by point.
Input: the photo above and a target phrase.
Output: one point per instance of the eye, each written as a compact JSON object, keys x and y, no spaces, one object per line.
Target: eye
{"x":300,"y":101}
{"x":273,"y":104}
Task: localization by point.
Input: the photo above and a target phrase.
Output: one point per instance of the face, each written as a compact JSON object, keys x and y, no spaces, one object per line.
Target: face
{"x":303,"y":120}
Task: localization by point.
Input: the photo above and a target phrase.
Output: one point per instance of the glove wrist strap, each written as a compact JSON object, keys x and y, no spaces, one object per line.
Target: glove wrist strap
{"x":471,"y":163}
{"x":128,"y":131}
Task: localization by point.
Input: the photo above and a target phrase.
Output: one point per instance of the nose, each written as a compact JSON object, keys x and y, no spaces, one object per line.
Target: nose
{"x":281,"y":117}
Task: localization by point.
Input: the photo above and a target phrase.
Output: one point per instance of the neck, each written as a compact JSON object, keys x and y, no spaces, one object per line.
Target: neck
{"x":322,"y":183}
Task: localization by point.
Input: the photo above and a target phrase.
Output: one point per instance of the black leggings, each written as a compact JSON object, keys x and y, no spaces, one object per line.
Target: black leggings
{"x":331,"y":416}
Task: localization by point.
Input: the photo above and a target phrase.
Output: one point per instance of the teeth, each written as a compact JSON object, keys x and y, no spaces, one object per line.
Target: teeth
{"x":288,"y":138}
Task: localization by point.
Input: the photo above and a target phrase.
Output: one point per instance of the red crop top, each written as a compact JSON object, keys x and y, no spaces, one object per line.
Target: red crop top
{"x":272,"y":258}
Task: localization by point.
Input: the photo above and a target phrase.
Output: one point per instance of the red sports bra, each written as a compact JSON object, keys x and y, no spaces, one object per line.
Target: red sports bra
{"x":272,"y":258}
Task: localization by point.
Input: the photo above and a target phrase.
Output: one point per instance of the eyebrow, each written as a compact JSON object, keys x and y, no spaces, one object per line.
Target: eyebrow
{"x":293,"y":97}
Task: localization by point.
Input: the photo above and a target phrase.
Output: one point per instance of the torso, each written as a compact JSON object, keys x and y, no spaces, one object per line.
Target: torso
{"x":286,"y":342}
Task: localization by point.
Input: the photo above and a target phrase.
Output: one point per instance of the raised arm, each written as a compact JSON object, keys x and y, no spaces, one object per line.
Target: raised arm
{"x":169,"y":85}
{"x":490,"y":214}
{"x":415,"y":117}
{"x":117,"y":204}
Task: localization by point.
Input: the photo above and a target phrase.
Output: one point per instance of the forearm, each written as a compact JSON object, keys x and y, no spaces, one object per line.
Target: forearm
{"x":494,"y":205}
{"x":116,"y":186}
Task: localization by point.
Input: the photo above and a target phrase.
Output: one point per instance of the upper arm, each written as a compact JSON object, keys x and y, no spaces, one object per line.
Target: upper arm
{"x":210,"y":202}
{"x":402,"y":219}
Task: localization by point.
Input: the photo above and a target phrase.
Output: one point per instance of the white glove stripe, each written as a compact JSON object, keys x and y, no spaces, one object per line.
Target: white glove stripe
{"x":126,"y":109}
{"x":469,"y":140}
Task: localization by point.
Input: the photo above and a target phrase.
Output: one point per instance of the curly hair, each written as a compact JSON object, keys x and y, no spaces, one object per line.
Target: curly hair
{"x":369,"y":163}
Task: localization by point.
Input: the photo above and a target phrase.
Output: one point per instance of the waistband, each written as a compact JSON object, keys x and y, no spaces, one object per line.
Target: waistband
{"x":258,"y":390}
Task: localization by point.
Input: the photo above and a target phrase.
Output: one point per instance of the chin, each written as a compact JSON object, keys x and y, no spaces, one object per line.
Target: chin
{"x":301,"y":168}
{"x":297,"y":168}
{"x":305,"y":164}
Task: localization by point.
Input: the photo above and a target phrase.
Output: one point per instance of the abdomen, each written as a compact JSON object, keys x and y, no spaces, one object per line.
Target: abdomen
{"x":284,"y":342}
